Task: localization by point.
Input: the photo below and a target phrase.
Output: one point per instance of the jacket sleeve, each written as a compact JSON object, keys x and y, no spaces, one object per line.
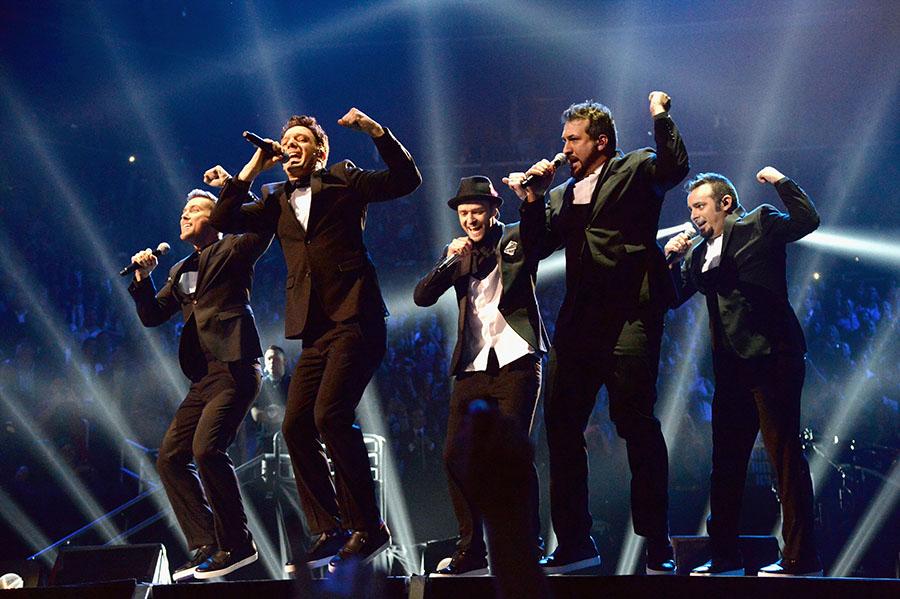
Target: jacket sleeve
{"x":670,"y":165}
{"x":684,"y":285}
{"x":434,"y":284}
{"x":238,"y":210}
{"x":537,"y":229}
{"x":154,"y":308}
{"x":801,"y":218}
{"x":399,"y":179}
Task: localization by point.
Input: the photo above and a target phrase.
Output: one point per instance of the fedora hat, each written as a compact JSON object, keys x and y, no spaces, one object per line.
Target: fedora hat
{"x":475,"y":189}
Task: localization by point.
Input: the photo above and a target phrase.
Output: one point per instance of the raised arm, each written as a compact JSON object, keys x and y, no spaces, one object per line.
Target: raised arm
{"x":801,"y":218}
{"x":671,"y":164}
{"x":401,"y":177}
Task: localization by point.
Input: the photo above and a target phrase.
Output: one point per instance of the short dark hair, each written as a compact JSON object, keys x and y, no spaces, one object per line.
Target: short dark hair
{"x":275,"y":348}
{"x":200,"y":193}
{"x":720,"y":185}
{"x":310,"y":122}
{"x":600,"y":121}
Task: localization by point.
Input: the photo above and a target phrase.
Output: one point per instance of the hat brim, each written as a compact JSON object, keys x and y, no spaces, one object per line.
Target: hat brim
{"x":481,"y":197}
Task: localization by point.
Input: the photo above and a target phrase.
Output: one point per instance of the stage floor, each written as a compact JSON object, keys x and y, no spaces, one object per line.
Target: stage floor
{"x":420,"y":587}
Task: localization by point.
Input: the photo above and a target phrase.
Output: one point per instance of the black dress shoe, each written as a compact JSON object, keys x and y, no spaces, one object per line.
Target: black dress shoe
{"x":565,"y":560}
{"x":660,"y":560}
{"x":720,"y":566}
{"x":186,"y":570}
{"x":792,"y":567}
{"x":321,"y":552}
{"x":226,"y":562}
{"x":362,"y":547}
{"x":464,"y":563}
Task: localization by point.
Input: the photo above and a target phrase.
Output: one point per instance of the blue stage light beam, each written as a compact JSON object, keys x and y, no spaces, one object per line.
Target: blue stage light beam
{"x":397,"y":513}
{"x":23,"y":526}
{"x":866,"y":246}
{"x":853,"y":396}
{"x":111,"y":418}
{"x":53,"y":167}
{"x":879,"y":510}
{"x":61,"y":471}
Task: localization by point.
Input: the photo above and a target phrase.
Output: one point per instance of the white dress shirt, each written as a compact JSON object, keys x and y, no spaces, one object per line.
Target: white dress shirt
{"x":301,"y":199}
{"x":713,"y":253}
{"x":486,"y":328}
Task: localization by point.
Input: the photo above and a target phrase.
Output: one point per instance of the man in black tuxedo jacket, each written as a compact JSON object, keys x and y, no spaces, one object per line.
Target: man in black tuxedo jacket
{"x":758,"y":349}
{"x":499,"y":344}
{"x":219,"y":352}
{"x":334,"y":305}
{"x":609,"y":327}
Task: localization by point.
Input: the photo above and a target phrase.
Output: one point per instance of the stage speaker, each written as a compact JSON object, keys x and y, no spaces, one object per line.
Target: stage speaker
{"x":144,"y":563}
{"x":693,"y":551}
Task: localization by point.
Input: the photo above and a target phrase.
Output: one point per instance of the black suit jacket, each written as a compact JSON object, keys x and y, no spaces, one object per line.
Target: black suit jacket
{"x":747,"y":298}
{"x":617,"y":264}
{"x":330,"y":258}
{"x":220,"y":308}
{"x":518,"y":305}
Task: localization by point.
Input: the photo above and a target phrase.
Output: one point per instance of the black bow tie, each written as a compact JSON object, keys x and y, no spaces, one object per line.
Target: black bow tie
{"x":483,"y":257}
{"x":291,"y":186}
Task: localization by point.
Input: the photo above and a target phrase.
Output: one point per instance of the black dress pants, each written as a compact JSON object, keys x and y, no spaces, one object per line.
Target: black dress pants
{"x":514,"y":390}
{"x":624,"y":356}
{"x":753,"y":395}
{"x":336,"y":364}
{"x":205,"y":494}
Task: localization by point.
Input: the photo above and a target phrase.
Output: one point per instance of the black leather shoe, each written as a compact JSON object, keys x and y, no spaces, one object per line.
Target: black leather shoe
{"x":226,"y":562}
{"x":464,"y":563}
{"x":565,"y":560}
{"x":792,"y":567}
{"x":186,"y":570}
{"x":362,"y":547}
{"x":321,"y":552}
{"x":720,"y":566}
{"x":660,"y":560}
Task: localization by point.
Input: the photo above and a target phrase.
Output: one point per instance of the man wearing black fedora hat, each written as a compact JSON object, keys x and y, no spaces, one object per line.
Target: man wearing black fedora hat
{"x":500,"y":342}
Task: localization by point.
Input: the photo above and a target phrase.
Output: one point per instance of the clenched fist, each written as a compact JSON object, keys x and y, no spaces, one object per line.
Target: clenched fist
{"x":769,"y":174}
{"x":359,"y":120}
{"x":147,"y":262}
{"x":216,"y":176}
{"x":659,"y":102}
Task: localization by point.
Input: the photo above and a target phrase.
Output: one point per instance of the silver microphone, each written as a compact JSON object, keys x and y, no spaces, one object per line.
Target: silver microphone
{"x":556,"y":162}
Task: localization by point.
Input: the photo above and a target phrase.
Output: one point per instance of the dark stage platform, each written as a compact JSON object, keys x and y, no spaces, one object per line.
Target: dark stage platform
{"x":419,"y":587}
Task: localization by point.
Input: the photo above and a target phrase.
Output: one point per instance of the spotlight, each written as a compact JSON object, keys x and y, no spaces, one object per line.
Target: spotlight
{"x":816,"y":276}
{"x":132,"y":158}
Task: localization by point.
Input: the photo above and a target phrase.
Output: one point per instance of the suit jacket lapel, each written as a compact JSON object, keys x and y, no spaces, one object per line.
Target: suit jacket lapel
{"x":729,"y":226}
{"x":315,"y":202}
{"x":202,"y":274}
{"x":600,"y":200}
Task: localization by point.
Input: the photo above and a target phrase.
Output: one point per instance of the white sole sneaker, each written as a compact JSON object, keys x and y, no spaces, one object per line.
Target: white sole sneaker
{"x":739,"y":572}
{"x":222,"y":572}
{"x":590,"y":562}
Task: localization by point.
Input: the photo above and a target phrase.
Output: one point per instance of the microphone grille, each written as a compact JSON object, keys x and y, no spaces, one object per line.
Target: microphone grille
{"x":163,"y":248}
{"x":559,"y":159}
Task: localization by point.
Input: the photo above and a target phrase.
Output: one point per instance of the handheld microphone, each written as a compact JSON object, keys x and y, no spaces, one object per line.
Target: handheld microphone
{"x":692,"y":234}
{"x":266,"y":146}
{"x":449,"y":261}
{"x":556,"y":162}
{"x":161,"y":250}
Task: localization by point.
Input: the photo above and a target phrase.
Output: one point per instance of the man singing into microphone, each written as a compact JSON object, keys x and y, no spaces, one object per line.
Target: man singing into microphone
{"x":219,"y":352}
{"x":334,"y":305}
{"x":609,"y":327}
{"x":499,"y":344}
{"x":758,"y":353}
